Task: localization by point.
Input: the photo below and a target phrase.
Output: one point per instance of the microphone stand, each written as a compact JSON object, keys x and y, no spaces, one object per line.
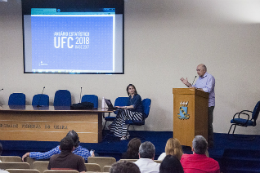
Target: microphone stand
{"x":38,"y":105}
{"x":194,"y":80}
{"x":80,"y":95}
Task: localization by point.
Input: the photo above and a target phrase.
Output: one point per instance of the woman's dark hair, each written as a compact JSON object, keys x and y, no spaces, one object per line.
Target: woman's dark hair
{"x":74,"y":136}
{"x":133,"y":148}
{"x":171,"y":164}
{"x":124,"y":167}
{"x":128,"y":87}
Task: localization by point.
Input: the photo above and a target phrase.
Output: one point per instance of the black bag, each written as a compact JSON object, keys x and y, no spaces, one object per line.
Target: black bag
{"x":82,"y":106}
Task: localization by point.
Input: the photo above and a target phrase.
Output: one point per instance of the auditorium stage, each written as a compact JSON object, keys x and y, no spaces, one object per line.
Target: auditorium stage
{"x":222,"y":151}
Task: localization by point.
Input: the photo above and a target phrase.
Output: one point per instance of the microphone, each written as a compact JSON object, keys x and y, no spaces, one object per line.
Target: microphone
{"x":38,"y":105}
{"x":80,"y":95}
{"x":194,"y":80}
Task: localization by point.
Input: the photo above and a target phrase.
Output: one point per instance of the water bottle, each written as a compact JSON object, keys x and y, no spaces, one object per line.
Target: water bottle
{"x":103,"y":103}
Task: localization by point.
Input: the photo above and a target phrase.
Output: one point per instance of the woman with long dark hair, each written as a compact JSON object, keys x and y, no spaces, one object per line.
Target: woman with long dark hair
{"x":133,"y":111}
{"x":132,"y":149}
{"x":171,"y":164}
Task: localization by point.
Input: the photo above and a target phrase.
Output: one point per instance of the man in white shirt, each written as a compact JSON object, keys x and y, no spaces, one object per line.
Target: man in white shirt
{"x":146,"y":157}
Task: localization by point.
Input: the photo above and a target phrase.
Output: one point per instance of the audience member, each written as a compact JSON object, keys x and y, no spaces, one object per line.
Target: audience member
{"x":198,"y":162}
{"x":1,"y":150}
{"x":132,"y":149}
{"x":124,"y":167}
{"x":173,"y":147}
{"x":83,"y":152}
{"x":66,"y":160}
{"x":171,"y":164}
{"x":146,"y":157}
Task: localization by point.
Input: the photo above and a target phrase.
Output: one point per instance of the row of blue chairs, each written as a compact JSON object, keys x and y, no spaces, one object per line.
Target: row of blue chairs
{"x":61,"y":98}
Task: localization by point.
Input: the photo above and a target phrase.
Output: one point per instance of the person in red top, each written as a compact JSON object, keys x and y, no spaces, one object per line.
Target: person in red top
{"x":198,"y":162}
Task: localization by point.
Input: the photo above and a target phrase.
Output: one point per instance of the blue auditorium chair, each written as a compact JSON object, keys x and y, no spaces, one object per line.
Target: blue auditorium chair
{"x":120,"y":101}
{"x":40,"y":100}
{"x":146,"y":106}
{"x":62,"y":98}
{"x":246,"y":120}
{"x":16,"y":99}
{"x":91,"y":98}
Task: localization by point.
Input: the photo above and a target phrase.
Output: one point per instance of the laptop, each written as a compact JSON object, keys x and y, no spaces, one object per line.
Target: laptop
{"x":110,"y":105}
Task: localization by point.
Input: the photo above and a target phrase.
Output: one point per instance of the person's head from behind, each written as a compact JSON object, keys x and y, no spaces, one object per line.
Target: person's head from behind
{"x":133,"y":146}
{"x":199,"y":145}
{"x":131,"y":90}
{"x":66,"y":144}
{"x":74,"y":136}
{"x":124,"y":167}
{"x":171,"y":164}
{"x":173,"y":147}
{"x":147,"y":150}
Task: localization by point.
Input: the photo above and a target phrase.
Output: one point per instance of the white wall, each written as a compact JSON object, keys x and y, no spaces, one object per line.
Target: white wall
{"x":164,"y":41}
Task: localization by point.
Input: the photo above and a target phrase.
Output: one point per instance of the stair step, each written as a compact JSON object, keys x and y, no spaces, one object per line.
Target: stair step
{"x":242,"y":170}
{"x":242,"y":153}
{"x":244,"y":159}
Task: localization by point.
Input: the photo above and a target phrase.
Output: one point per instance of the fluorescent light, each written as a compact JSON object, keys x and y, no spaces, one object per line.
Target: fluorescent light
{"x":3,"y":0}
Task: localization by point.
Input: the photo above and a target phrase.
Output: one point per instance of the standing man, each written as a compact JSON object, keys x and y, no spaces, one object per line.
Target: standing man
{"x":206,"y":83}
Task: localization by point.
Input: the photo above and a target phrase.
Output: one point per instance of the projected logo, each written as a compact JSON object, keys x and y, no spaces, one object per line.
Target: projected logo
{"x":71,"y":40}
{"x":183,"y":111}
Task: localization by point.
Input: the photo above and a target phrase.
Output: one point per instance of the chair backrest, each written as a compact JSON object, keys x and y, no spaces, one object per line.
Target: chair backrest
{"x":90,"y":98}
{"x":16,"y":99}
{"x":129,"y":160}
{"x":10,"y":159}
{"x":62,"y":98}
{"x":121,"y":101}
{"x":256,"y":112}
{"x":30,"y":161}
{"x":106,"y":168}
{"x":41,"y":100}
{"x":93,"y":167}
{"x":158,"y":161}
{"x":102,"y":161}
{"x":61,"y":171}
{"x":146,"y":106}
{"x":22,"y":171}
{"x":41,"y":165}
{"x":14,"y":165}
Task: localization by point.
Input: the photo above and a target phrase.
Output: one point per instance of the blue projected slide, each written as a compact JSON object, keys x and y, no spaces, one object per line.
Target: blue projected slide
{"x":71,"y":42}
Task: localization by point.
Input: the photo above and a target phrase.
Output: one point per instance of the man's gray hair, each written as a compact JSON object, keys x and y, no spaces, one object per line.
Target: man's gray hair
{"x":199,"y":144}
{"x":203,"y":66}
{"x":147,"y":150}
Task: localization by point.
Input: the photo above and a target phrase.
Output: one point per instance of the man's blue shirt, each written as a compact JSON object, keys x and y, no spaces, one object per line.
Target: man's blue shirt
{"x":207,"y":83}
{"x":83,"y":152}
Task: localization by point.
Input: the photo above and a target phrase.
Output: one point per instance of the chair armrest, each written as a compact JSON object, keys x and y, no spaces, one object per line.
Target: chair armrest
{"x":238,"y":116}
{"x":246,"y":111}
{"x":105,"y":116}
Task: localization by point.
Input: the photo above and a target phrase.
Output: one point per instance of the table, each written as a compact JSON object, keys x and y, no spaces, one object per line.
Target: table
{"x":49,"y":123}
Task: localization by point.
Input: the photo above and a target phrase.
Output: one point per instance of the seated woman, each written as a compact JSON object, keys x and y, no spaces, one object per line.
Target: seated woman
{"x":133,"y":111}
{"x":173,"y":147}
{"x":132,"y":149}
